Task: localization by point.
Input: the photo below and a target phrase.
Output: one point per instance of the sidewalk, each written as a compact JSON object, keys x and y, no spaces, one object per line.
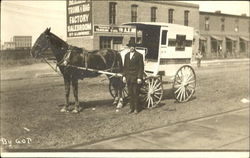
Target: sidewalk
{"x":221,"y":61}
{"x":228,"y":131}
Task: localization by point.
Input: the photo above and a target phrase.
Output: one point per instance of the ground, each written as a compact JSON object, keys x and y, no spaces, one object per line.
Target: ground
{"x":31,"y":99}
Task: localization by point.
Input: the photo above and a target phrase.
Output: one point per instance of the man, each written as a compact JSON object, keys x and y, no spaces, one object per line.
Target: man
{"x":132,"y":75}
{"x":198,"y":58}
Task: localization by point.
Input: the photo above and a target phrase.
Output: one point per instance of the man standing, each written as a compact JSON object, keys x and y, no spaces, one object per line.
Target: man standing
{"x":133,"y":74}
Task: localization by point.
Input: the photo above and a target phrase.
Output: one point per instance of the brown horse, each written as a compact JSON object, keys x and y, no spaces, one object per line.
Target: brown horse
{"x":106,"y":59}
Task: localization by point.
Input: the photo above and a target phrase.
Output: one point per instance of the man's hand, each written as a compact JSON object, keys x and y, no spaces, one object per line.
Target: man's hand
{"x":124,"y":79}
{"x":139,"y":81}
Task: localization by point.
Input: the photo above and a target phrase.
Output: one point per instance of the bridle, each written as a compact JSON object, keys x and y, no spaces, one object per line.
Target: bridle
{"x":42,"y":49}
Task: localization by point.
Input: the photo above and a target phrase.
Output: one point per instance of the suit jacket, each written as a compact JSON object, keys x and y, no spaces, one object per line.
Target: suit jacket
{"x":133,"y":68}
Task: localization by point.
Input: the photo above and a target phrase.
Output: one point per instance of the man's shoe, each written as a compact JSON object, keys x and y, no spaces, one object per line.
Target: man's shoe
{"x":136,"y":112}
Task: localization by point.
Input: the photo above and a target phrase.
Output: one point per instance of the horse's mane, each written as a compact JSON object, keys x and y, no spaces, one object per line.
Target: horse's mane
{"x":59,"y":42}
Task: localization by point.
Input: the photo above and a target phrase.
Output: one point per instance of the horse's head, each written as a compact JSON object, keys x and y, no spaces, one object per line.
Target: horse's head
{"x":41,"y":44}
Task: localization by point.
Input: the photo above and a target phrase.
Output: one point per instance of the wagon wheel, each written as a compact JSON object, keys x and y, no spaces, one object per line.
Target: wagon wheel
{"x":151,"y":91}
{"x":184,"y":83}
{"x":124,"y":90}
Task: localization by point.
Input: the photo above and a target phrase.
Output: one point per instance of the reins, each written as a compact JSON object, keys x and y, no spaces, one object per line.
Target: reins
{"x":55,"y":69}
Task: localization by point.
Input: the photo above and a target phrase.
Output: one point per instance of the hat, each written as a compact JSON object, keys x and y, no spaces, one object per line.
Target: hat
{"x":131,"y":43}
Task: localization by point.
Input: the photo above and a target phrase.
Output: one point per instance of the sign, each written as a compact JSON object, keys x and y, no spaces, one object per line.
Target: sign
{"x":79,"y":18}
{"x":115,"y":29}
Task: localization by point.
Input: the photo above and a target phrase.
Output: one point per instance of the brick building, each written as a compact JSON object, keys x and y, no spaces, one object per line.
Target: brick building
{"x":97,"y":24}
{"x":22,"y":42}
{"x":224,"y":35}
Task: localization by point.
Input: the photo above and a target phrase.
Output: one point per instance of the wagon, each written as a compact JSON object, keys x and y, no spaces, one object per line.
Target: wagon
{"x":167,"y":52}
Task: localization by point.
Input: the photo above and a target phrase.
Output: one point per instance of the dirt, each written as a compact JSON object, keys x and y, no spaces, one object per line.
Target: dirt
{"x":31,"y":98}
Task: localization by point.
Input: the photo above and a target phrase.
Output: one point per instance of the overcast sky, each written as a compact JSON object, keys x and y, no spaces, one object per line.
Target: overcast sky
{"x":32,"y":17}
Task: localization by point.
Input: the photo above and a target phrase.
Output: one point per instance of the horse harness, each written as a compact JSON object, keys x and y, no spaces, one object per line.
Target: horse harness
{"x":66,"y":61}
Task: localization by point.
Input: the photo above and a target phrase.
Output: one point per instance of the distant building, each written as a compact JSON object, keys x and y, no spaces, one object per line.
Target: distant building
{"x":22,"y":42}
{"x":8,"y":46}
{"x":224,"y":35}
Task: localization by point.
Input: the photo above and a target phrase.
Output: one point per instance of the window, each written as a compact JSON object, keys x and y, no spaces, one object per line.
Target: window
{"x":180,"y":42}
{"x":222,"y":27}
{"x":164,"y":37}
{"x":222,"y":24}
{"x":105,"y":42}
{"x":111,"y":42}
{"x":189,"y":43}
{"x":171,"y":42}
{"x":112,"y":12}
{"x":153,"y":14}
{"x":207,"y":23}
{"x":134,"y":13}
{"x":236,"y":29}
{"x":186,"y":12}
{"x":171,"y":15}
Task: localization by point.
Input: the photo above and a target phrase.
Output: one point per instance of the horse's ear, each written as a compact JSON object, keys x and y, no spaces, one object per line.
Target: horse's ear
{"x":49,"y":29}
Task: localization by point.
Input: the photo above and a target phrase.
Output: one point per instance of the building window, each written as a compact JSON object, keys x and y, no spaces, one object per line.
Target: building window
{"x":105,"y":42}
{"x":186,"y":13}
{"x":153,"y":14}
{"x":112,"y":13}
{"x":222,"y":24}
{"x":171,"y":15}
{"x":134,"y":13}
{"x":111,"y":42}
{"x":236,"y":29}
{"x":207,"y":23}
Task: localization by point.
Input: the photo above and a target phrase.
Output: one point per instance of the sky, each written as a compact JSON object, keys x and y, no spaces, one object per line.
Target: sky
{"x":32,"y":17}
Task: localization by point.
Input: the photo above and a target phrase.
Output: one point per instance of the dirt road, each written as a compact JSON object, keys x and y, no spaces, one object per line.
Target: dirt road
{"x":31,"y":98}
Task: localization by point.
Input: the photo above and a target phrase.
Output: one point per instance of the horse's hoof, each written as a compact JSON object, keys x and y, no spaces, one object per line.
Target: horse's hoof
{"x":75,"y":111}
{"x":119,"y":106}
{"x":63,"y":110}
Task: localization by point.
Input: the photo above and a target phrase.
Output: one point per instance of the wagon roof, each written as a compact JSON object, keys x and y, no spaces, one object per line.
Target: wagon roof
{"x":155,"y":24}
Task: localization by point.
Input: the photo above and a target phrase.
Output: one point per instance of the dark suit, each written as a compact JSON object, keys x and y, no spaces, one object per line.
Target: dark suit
{"x":133,"y":70}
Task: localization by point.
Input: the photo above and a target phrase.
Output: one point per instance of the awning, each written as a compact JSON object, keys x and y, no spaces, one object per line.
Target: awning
{"x":244,"y":38}
{"x":203,"y":38}
{"x":231,"y":38}
{"x":216,"y":37}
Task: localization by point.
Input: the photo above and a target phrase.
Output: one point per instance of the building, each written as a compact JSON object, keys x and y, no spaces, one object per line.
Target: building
{"x":22,"y":42}
{"x":8,"y":46}
{"x":98,"y":24}
{"x":224,"y":35}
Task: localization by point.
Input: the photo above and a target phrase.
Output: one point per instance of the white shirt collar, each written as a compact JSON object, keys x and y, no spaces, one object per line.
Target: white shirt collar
{"x":131,"y":54}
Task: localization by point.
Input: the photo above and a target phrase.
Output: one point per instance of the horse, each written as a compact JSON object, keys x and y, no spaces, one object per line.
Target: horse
{"x":69,"y":57}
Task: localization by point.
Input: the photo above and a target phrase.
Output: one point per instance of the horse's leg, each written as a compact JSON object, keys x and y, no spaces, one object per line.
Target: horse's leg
{"x":75,"y":92}
{"x":67,"y":91}
{"x":119,"y":93}
{"x":113,"y":82}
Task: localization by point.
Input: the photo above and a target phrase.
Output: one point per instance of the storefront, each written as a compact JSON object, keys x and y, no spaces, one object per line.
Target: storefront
{"x":216,"y":46}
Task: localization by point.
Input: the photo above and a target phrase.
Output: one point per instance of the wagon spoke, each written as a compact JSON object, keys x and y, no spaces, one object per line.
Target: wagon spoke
{"x":181,"y":92}
{"x":189,"y":89}
{"x":184,"y":94}
{"x":177,"y":85}
{"x":158,"y":85}
{"x":155,"y":83}
{"x":190,"y":77}
{"x":148,"y":102}
{"x":157,"y":96}
{"x":178,"y":89}
{"x":159,"y":93}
